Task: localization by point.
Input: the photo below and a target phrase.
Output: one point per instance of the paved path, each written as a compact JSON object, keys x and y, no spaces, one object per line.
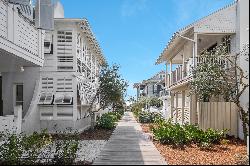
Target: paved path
{"x":129,"y":146}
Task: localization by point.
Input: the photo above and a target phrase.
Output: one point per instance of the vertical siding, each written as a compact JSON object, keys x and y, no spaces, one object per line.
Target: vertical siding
{"x":219,"y":116}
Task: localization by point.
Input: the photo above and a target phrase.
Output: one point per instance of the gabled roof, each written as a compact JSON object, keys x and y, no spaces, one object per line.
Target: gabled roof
{"x":189,"y":27}
{"x":154,"y":79}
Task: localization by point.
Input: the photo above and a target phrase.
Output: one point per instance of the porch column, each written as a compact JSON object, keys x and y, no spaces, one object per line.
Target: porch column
{"x":91,"y":68}
{"x":176,"y":107}
{"x":183,"y":63}
{"x":172,"y":106}
{"x":138,"y":93}
{"x":171,"y":70}
{"x":195,"y":49}
{"x":193,"y":109}
{"x":183,"y":105}
{"x":166,"y":76}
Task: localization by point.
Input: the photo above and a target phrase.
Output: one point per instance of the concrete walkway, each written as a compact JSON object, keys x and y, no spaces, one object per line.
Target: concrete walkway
{"x":129,"y":146}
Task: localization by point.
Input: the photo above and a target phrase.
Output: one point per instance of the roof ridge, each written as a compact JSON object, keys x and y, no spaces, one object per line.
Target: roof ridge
{"x":190,"y":25}
{"x":217,"y":11}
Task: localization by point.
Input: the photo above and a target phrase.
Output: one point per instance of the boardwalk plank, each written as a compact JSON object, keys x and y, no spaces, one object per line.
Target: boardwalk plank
{"x":129,"y":146}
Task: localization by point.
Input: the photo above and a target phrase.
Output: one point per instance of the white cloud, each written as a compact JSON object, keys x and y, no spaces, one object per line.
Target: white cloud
{"x":132,"y":7}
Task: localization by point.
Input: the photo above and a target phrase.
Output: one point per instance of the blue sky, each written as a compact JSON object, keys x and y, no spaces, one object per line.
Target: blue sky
{"x":133,"y":33}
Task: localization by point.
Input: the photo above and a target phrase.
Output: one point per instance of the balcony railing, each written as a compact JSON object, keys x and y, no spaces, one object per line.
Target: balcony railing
{"x":184,"y":72}
{"x":19,"y":33}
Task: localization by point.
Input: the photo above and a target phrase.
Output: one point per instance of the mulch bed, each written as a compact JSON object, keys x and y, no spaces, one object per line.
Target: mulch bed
{"x":96,"y":134}
{"x":232,"y":153}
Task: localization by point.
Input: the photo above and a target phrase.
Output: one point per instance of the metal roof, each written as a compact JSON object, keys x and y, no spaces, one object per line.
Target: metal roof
{"x":183,"y":30}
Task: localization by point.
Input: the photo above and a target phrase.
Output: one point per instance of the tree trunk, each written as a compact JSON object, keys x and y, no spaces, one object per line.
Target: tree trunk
{"x":244,"y":117}
{"x":92,"y":122}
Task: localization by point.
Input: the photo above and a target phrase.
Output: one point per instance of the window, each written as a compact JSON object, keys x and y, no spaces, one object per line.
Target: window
{"x":63,"y":68}
{"x":65,"y":58}
{"x":19,"y":95}
{"x":63,"y":99}
{"x":64,"y":85}
{"x":47,"y":84}
{"x":48,"y":44}
{"x":46,"y":99}
{"x":48,"y":48}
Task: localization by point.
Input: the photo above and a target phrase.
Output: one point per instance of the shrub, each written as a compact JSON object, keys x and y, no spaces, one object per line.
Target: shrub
{"x":30,"y":150}
{"x":33,"y":144}
{"x":18,"y":149}
{"x":177,"y":135}
{"x":66,"y":150}
{"x":120,"y":113}
{"x":168,"y":133}
{"x":107,"y":121}
{"x":149,"y":117}
{"x":11,"y":150}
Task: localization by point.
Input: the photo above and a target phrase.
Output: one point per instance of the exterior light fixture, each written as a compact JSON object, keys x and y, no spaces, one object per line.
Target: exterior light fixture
{"x":22,"y":69}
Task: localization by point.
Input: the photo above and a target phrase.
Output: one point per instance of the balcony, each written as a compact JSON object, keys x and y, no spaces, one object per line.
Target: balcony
{"x":21,"y":44}
{"x":183,"y":73}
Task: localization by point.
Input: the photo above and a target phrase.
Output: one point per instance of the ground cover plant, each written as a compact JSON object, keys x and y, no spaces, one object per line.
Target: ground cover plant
{"x":22,"y":149}
{"x":174,"y":134}
{"x":149,"y":117}
{"x":109,"y":120}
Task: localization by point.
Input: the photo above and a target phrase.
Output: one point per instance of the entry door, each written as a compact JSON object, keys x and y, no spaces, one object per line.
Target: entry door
{"x":18,"y":95}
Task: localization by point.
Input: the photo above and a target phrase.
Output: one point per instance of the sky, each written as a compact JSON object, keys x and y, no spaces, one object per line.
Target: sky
{"x":133,"y":33}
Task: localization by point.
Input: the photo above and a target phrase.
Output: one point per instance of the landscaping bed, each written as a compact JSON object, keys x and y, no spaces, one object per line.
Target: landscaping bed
{"x":233,"y":152}
{"x":96,"y":134}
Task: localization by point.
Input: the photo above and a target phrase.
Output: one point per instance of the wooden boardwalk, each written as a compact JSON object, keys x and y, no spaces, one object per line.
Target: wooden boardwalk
{"x":129,"y":146}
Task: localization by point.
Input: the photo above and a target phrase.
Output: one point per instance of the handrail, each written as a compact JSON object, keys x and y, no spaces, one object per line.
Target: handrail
{"x":184,"y":71}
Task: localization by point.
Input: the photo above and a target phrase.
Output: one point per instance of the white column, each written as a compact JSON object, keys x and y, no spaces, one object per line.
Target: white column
{"x":176,"y":106}
{"x":183,"y":63}
{"x":195,"y":48}
{"x":172,"y":105}
{"x":91,"y":68}
{"x":183,"y":105}
{"x":171,"y":70}
{"x":166,"y":76}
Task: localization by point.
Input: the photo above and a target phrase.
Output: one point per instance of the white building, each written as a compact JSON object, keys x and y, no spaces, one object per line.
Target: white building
{"x":21,"y":55}
{"x":69,"y":77}
{"x":51,"y":74}
{"x":185,"y":48}
{"x":151,"y":87}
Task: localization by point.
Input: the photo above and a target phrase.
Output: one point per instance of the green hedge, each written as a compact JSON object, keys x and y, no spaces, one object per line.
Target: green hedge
{"x":108,"y":120}
{"x":177,"y":135}
{"x":27,"y":150}
{"x":149,"y":117}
